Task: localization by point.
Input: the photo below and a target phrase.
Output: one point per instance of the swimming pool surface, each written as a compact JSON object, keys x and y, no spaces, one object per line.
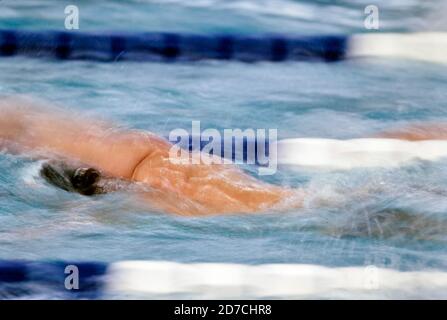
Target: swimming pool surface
{"x":392,"y":218}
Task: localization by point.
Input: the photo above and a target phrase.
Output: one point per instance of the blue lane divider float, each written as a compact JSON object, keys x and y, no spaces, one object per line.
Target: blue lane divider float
{"x":66,"y":45}
{"x":23,"y":278}
{"x":244,"y":149}
{"x":154,"y":279}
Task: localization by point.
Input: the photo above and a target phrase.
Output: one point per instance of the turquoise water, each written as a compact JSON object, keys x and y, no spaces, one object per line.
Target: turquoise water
{"x":210,"y":16}
{"x":393,"y":218}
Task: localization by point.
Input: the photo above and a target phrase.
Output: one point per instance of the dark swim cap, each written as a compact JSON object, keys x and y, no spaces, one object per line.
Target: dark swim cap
{"x":72,"y":178}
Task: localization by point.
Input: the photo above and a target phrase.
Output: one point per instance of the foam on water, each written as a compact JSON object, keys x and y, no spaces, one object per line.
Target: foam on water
{"x":30,"y":174}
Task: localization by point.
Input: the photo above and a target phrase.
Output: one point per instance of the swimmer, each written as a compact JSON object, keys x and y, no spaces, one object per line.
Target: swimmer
{"x":133,"y":156}
{"x":93,"y":153}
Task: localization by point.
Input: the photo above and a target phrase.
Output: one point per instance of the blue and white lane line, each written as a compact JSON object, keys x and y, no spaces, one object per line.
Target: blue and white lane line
{"x":317,"y":153}
{"x":162,"y":279}
{"x":103,"y":46}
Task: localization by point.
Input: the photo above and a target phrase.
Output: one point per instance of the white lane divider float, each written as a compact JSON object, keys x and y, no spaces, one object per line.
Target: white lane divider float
{"x":423,"y":46}
{"x":221,"y":281}
{"x":356,"y":153}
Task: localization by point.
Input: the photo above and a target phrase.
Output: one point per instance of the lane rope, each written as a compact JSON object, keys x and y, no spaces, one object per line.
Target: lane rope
{"x":321,"y":153}
{"x":152,"y":46}
{"x":149,"y":279}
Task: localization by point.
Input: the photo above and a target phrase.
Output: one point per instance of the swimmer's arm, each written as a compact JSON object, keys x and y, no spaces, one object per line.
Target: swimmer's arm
{"x":417,"y":132}
{"x":38,"y":128}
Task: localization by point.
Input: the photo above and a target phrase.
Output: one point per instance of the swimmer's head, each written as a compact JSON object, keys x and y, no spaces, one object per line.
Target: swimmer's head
{"x":85,"y":180}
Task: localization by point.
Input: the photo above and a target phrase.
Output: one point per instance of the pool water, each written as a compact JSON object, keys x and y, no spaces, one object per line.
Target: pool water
{"x":393,"y":218}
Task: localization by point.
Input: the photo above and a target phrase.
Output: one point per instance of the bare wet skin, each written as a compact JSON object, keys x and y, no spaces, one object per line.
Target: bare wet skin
{"x":112,"y":159}
{"x":133,"y":156}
